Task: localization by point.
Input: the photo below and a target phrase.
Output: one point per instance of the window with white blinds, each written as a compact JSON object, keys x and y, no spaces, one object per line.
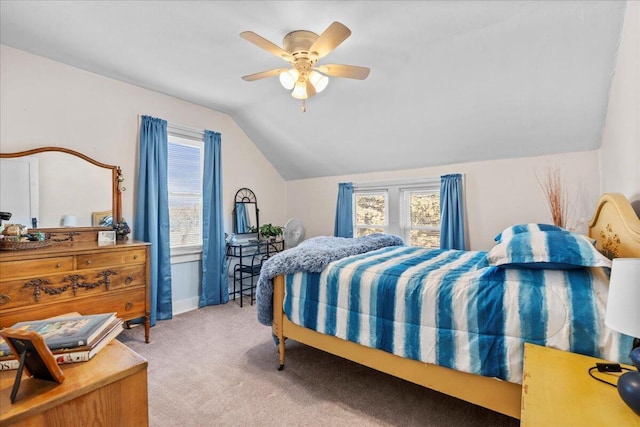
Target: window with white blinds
{"x":185,"y":162}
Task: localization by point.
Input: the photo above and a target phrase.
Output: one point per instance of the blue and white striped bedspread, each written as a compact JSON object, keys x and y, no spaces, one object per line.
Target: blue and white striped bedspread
{"x":450,"y":308}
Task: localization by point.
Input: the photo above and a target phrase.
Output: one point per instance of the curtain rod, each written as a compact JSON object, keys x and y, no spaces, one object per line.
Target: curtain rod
{"x":180,"y":129}
{"x":398,"y":182}
{"x":183,"y":128}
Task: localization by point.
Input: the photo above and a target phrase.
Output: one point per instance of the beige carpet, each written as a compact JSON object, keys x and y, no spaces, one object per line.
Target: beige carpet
{"x":217,"y":367}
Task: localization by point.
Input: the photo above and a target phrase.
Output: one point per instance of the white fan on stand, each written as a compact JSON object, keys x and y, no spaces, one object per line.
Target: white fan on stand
{"x":293,"y":233}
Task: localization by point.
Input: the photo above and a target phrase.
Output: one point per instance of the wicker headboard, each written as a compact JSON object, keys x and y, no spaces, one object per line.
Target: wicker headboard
{"x":616,"y":227}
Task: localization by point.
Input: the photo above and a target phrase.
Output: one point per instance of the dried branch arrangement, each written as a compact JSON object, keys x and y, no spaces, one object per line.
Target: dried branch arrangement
{"x":553,"y":188}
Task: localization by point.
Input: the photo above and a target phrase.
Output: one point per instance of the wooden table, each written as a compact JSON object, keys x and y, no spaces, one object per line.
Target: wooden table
{"x":558,"y":391}
{"x":109,"y":390}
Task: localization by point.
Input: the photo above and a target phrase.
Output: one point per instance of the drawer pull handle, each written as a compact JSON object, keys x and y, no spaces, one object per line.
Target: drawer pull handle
{"x":129,"y":279}
{"x":135,"y":257}
{"x":89,"y":261}
{"x":4,"y":299}
{"x":128,"y":306}
{"x":58,"y":265}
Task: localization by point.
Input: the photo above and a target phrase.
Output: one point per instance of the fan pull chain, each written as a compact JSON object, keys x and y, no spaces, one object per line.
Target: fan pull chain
{"x":304,"y":106}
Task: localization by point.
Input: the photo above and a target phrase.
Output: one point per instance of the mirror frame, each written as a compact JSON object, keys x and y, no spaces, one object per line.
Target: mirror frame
{"x":116,"y":186}
{"x":246,"y":196}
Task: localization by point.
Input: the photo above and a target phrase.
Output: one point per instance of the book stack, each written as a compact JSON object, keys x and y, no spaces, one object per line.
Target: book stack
{"x":71,"y":338}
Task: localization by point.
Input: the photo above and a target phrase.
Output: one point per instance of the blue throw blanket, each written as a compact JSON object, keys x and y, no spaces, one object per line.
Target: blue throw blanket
{"x":312,"y":255}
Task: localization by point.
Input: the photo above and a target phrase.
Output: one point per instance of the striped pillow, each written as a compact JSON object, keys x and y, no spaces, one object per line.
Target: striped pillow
{"x":552,"y":250}
{"x":508,"y":232}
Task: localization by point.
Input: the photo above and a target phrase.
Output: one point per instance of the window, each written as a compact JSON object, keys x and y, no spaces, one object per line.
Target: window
{"x":421,"y":217}
{"x":410,"y":209}
{"x":185,"y":161}
{"x":370,"y":212}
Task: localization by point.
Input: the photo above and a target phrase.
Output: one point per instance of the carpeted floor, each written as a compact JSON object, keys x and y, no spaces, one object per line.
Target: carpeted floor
{"x":216,"y":366}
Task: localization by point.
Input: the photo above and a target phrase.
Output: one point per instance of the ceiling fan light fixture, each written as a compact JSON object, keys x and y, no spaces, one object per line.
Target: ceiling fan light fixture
{"x":300,"y":90}
{"x":289,"y":78}
{"x":302,"y":50}
{"x":319,"y":81}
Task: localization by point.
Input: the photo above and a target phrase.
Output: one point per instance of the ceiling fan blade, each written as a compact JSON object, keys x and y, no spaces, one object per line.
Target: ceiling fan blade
{"x":263,"y":74}
{"x":265,"y":44}
{"x":331,"y":38}
{"x":347,"y":71}
{"x":311,"y":91}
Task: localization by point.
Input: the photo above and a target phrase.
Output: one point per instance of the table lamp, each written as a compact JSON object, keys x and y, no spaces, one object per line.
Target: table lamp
{"x":623,"y":315}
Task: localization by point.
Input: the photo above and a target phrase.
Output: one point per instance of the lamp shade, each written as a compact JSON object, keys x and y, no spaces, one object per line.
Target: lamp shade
{"x":300,"y":90}
{"x":69,"y":221}
{"x":623,"y":314}
{"x":289,"y":78}
{"x":319,"y":81}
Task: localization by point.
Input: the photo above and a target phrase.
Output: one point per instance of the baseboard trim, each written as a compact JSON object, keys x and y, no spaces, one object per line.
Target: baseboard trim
{"x":185,"y":305}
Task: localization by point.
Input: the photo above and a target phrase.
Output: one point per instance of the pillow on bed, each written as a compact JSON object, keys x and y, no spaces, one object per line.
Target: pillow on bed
{"x":508,"y":232}
{"x":552,"y":250}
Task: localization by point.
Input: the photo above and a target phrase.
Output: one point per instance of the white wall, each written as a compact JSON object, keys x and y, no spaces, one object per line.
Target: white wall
{"x":620,"y":152}
{"x":43,"y":102}
{"x":498,"y":193}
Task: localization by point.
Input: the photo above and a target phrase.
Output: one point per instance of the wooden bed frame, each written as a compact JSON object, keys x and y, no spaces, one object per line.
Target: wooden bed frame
{"x":614,"y":225}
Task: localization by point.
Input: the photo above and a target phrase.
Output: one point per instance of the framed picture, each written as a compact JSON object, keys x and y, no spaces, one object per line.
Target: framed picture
{"x":35,"y":357}
{"x":106,"y":237}
{"x":102,"y":219}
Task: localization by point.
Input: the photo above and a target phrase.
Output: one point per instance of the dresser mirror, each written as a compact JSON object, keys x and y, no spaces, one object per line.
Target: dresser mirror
{"x":245,"y":212}
{"x":52,"y":187}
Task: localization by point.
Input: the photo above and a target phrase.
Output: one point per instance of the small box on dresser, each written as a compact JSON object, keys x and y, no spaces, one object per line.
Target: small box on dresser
{"x":84,"y":277}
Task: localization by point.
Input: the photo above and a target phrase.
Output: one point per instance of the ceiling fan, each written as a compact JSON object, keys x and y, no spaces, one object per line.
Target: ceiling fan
{"x":302,"y":50}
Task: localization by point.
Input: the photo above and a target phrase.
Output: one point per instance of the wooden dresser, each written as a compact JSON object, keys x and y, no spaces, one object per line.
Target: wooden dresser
{"x":83,"y":277}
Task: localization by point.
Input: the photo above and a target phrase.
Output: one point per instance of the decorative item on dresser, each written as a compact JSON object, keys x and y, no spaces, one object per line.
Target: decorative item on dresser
{"x":77,"y":272}
{"x":36,"y":359}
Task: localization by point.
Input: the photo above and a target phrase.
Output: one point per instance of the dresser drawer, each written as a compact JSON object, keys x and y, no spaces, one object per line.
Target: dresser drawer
{"x":113,"y":258}
{"x":129,"y":305}
{"x":35,"y":267}
{"x":128,"y":277}
{"x":60,"y":288}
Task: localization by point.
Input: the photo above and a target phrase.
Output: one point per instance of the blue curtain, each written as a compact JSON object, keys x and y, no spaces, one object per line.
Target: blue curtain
{"x":215,"y":287}
{"x":152,"y":212}
{"x":451,"y":212}
{"x":242,"y":221}
{"x":344,"y":211}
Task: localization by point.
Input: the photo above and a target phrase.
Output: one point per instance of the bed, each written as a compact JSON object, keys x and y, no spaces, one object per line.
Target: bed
{"x":341,"y":305}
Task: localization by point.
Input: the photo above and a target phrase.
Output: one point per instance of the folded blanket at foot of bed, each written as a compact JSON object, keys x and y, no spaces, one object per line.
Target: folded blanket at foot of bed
{"x":312,"y":255}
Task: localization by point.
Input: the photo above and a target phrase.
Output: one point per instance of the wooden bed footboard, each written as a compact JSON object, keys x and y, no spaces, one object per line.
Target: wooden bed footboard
{"x":491,"y":393}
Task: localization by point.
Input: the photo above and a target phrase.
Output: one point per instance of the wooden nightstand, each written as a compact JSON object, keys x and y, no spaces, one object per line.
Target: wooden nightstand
{"x":558,"y":391}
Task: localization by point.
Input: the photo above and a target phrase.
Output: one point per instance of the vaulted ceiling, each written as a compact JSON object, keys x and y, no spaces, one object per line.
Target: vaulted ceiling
{"x":450,"y":82}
